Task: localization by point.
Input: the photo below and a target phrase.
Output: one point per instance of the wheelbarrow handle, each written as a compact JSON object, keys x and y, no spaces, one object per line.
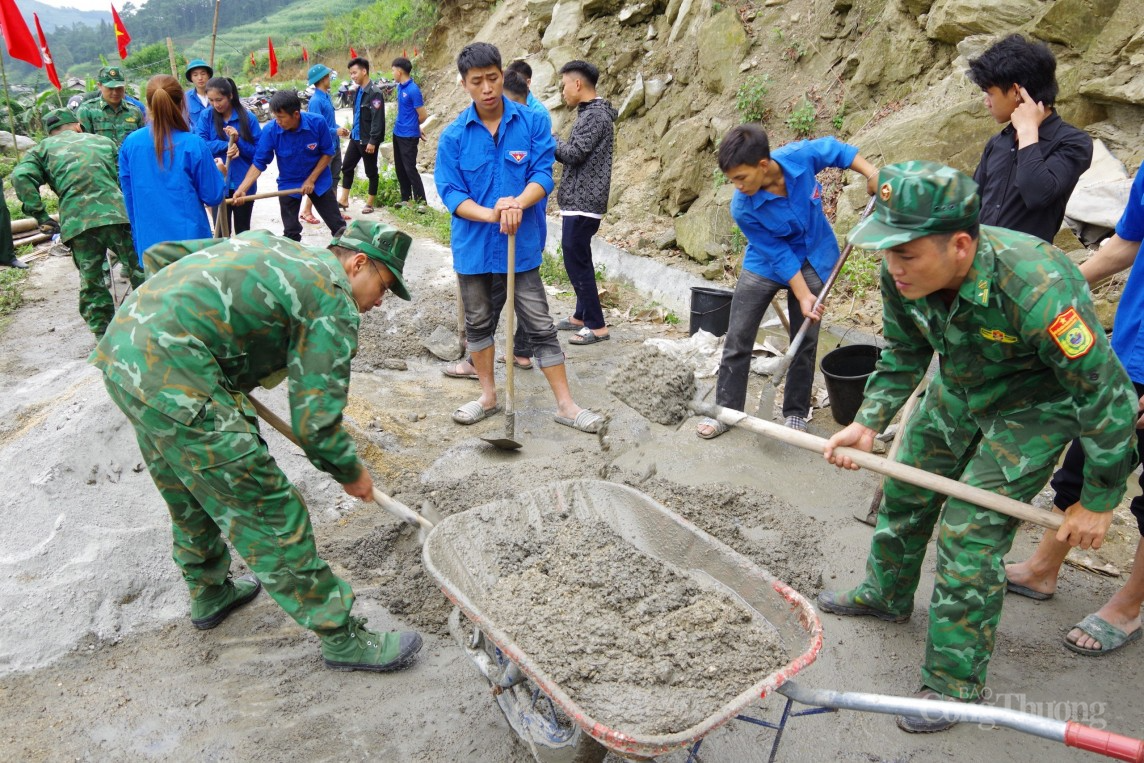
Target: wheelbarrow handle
{"x":1070,"y":733}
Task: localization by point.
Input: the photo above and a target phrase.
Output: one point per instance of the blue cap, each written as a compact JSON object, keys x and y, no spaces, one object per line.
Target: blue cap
{"x":197,"y":63}
{"x":317,"y":73}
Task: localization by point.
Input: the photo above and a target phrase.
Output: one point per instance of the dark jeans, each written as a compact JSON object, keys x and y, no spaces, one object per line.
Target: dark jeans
{"x":405,"y":162}
{"x":238,"y":217}
{"x":576,"y":242}
{"x":478,"y":293}
{"x":1069,"y":478}
{"x":325,"y":205}
{"x":753,"y":294}
{"x":355,"y":150}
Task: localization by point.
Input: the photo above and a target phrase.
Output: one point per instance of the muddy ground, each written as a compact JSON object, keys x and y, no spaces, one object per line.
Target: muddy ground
{"x":98,"y":660}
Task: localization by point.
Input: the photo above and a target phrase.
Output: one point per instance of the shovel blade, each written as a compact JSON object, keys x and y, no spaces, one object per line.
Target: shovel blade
{"x":503,"y":443}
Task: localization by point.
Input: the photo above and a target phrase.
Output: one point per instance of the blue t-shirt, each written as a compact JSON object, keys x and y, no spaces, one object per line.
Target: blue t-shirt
{"x":1128,"y":328}
{"x":166,"y":203}
{"x":321,"y":105}
{"x":471,"y":165}
{"x":408,"y":101}
{"x":218,"y":143}
{"x":297,"y":152}
{"x":784,"y":232}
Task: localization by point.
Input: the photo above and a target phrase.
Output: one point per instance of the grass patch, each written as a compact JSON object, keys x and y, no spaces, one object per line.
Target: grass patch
{"x":861,"y":271}
{"x":552,"y":271}
{"x":12,"y":283}
{"x":438,"y":224}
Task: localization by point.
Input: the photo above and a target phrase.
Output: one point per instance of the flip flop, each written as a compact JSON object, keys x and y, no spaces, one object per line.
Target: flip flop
{"x":367,"y":210}
{"x":717,"y":428}
{"x":1110,"y":637}
{"x":452,"y":372}
{"x":522,"y":366}
{"x":472,"y":412}
{"x":309,"y":219}
{"x":567,"y":325}
{"x":585,"y":421}
{"x":585,"y":336}
{"x":1027,"y":592}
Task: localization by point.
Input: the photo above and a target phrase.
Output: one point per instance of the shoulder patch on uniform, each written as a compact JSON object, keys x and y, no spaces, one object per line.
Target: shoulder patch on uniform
{"x":997,"y":335}
{"x":376,"y":103}
{"x":1071,"y":334}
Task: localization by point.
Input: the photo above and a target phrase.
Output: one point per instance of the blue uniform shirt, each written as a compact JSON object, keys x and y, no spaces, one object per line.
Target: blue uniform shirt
{"x":297,"y":152}
{"x":217,"y":143}
{"x":471,"y":165}
{"x":321,"y":105}
{"x":1128,"y":328}
{"x":355,"y":133}
{"x":783,"y":233}
{"x":166,"y":204}
{"x":534,"y":103}
{"x":408,"y":101}
{"x":195,"y":107}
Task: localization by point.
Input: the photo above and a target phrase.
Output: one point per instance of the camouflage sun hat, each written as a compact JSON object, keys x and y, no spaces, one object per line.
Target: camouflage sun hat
{"x":380,"y":242}
{"x":58,"y":118}
{"x":917,"y":199}
{"x":111,"y":76}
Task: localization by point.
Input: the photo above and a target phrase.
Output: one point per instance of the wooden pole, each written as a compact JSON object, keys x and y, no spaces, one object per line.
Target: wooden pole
{"x":8,"y":100}
{"x":214,"y":32}
{"x":171,"y":55}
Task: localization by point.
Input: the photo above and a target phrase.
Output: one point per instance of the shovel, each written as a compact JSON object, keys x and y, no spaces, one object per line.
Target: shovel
{"x":222,"y":219}
{"x":767,"y":396}
{"x":508,"y":442}
{"x":391,"y":505}
{"x":912,"y":475}
{"x":267,"y":195}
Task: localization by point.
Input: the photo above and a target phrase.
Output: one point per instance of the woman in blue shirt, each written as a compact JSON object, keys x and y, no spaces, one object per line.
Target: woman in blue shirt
{"x":167,"y":173}
{"x":228,"y":119}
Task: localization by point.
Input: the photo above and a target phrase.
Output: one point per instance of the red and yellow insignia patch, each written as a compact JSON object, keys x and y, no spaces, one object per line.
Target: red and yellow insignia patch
{"x":1071,"y":334}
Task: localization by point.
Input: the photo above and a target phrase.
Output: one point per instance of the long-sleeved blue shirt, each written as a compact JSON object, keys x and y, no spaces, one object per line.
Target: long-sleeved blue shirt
{"x":195,"y":107}
{"x":297,"y":152}
{"x":218,"y":143}
{"x":1128,"y":329}
{"x":321,"y":105}
{"x":166,"y":203}
{"x":784,"y":232}
{"x":471,"y":165}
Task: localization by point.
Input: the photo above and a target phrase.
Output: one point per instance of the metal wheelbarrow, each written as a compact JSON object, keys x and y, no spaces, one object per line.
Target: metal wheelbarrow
{"x":554,"y":725}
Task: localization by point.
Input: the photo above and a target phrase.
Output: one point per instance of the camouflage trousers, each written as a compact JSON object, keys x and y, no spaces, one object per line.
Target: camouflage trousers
{"x":1013,"y":455}
{"x":218,"y":479}
{"x":89,"y":253}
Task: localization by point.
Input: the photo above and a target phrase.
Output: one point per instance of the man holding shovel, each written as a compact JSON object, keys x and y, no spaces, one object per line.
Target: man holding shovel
{"x":493,"y":172}
{"x":218,"y":318}
{"x":1024,"y":370}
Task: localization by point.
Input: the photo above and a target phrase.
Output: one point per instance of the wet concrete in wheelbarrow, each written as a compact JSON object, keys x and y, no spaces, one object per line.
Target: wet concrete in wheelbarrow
{"x":99,"y":661}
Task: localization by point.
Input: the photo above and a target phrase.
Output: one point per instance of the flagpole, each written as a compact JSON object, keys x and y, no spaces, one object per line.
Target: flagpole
{"x":8,"y":100}
{"x":214,"y":32}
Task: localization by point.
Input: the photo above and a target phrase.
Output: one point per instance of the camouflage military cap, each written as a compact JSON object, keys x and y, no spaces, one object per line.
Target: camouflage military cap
{"x":917,"y":199}
{"x":111,"y":76}
{"x":380,"y":242}
{"x":58,"y":118}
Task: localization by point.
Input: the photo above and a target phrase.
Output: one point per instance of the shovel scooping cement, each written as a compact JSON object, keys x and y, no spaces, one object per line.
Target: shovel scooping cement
{"x":508,"y":442}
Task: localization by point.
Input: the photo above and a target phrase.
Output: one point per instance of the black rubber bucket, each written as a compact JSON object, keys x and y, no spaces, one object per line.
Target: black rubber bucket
{"x":710,"y":310}
{"x":846,"y":370}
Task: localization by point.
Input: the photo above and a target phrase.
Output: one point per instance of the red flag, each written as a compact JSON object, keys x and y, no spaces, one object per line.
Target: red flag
{"x":415,"y":51}
{"x":252,"y":64}
{"x":273,"y":58}
{"x":121,"y":37}
{"x":16,"y":35}
{"x":353,"y":53}
{"x":49,"y":67}
{"x":305,"y":55}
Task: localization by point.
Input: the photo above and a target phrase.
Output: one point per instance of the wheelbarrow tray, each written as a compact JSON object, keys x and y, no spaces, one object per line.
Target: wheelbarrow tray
{"x":467,"y":573}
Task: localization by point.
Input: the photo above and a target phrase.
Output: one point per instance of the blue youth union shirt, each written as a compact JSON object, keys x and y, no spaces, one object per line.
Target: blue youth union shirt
{"x":408,"y":101}
{"x":297,"y":151}
{"x":1128,"y":328}
{"x":218,"y":144}
{"x":471,"y":165}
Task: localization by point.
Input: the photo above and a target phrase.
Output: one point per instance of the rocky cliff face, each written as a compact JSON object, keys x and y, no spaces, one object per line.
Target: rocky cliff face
{"x":886,"y":75}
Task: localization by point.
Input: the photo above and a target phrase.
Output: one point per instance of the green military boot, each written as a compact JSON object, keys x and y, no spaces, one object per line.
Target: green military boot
{"x":355,"y":647}
{"x":210,"y":609}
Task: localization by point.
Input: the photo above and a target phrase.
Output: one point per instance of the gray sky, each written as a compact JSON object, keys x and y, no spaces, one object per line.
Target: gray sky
{"x":91,"y":5}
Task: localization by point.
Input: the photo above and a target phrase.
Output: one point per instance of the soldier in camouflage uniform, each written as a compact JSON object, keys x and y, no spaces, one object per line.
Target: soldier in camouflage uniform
{"x":215,"y":319}
{"x":81,"y":169}
{"x":1024,"y":369}
{"x":110,"y":115}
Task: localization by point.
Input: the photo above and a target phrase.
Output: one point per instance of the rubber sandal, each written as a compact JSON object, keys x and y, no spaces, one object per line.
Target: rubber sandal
{"x":567,"y":325}
{"x":367,"y":210}
{"x":585,"y":336}
{"x":346,"y":217}
{"x":452,"y":372}
{"x":522,"y":366}
{"x":717,"y":428}
{"x":1028,"y":593}
{"x":1110,"y":637}
{"x":472,"y":412}
{"x":309,"y":219}
{"x":585,"y":421}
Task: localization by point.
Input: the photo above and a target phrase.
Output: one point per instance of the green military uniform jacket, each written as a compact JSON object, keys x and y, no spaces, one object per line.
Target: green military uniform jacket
{"x":101,"y":118}
{"x":81,"y":170}
{"x":232,"y":313}
{"x":1021,"y":331}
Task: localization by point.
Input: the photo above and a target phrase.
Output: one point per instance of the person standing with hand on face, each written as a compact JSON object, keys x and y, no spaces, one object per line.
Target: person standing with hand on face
{"x":1029,"y":169}
{"x":367,"y":134}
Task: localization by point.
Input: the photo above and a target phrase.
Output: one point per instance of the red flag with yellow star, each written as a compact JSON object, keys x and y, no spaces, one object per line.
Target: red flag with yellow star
{"x":122,"y":39}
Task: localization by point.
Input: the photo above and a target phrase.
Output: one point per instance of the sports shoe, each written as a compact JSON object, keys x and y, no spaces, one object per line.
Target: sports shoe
{"x":355,"y":647}
{"x":211,"y":608}
{"x":930,"y":723}
{"x":796,"y":422}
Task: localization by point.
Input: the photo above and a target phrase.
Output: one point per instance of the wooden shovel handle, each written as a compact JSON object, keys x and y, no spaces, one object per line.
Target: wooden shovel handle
{"x":267,"y":195}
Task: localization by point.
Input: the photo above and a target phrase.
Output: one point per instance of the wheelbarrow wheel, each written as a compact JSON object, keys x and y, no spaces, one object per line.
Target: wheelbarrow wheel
{"x":550,"y":734}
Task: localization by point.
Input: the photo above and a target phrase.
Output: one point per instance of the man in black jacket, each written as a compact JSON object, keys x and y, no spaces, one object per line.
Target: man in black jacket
{"x":1029,"y":169}
{"x":583,"y":195}
{"x":367,"y":134}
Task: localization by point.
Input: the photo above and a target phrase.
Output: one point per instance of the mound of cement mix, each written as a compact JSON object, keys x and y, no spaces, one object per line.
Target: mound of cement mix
{"x":639,"y":646}
{"x":655,"y":385}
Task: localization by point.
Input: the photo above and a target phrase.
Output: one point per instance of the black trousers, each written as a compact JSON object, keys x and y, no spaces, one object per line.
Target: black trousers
{"x":355,"y":150}
{"x":238,"y":218}
{"x":325,"y":205}
{"x":405,"y":162}
{"x":576,"y":243}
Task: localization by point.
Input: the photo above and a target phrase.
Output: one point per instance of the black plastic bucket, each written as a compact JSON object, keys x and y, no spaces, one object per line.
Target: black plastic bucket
{"x":710,"y":309}
{"x":846,"y":370}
